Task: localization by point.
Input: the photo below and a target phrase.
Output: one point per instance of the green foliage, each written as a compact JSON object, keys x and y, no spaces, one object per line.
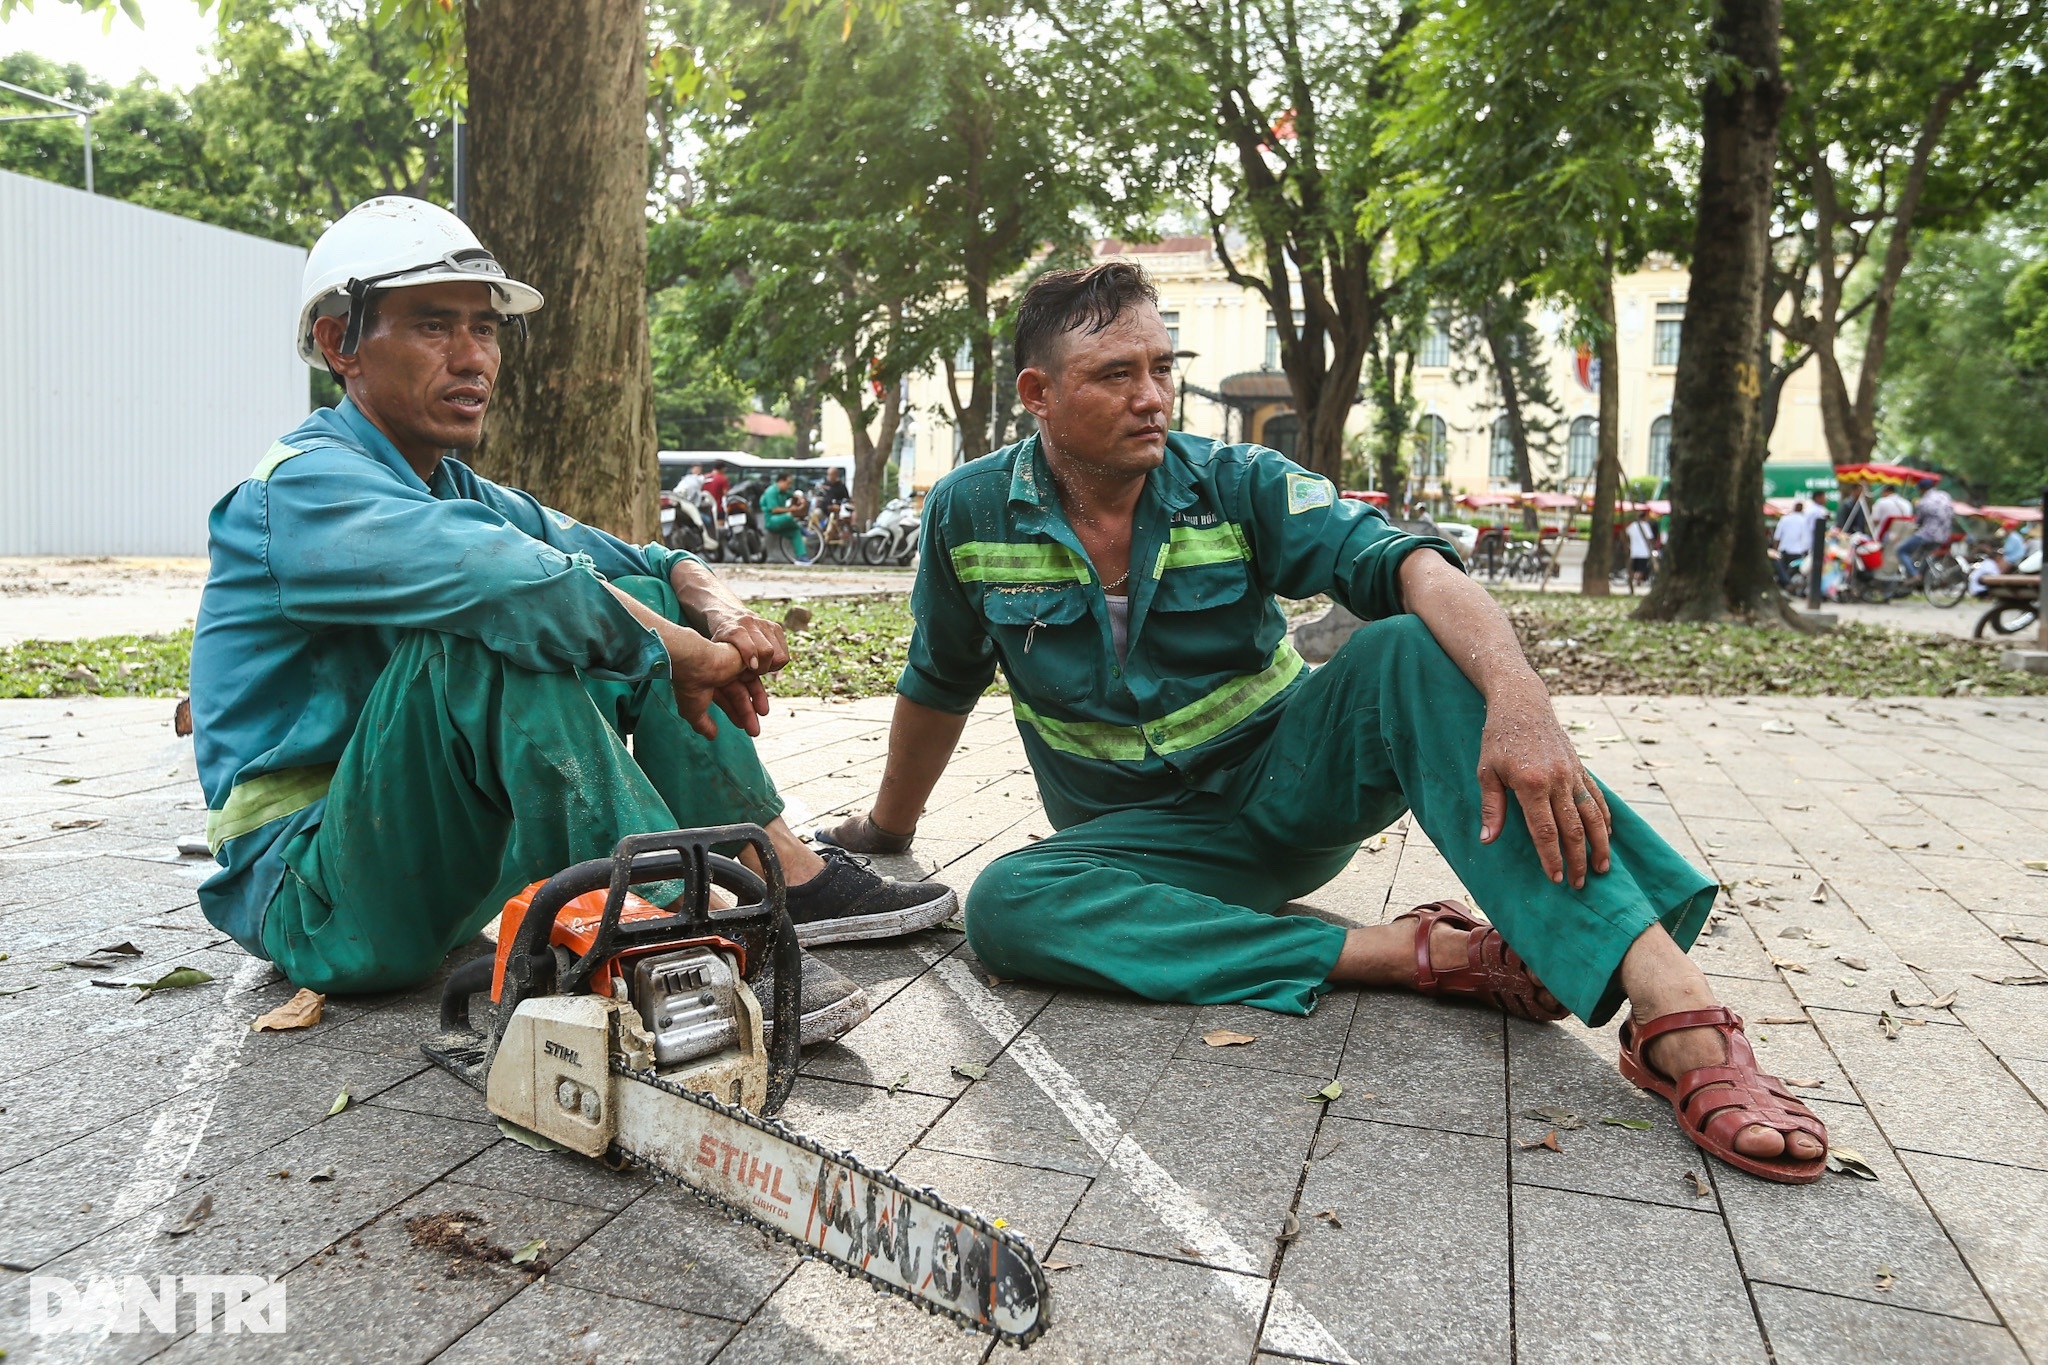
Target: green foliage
{"x":1591,"y":646}
{"x":307,"y":117}
{"x":112,"y":666}
{"x":697,"y":403}
{"x":1967,"y":391}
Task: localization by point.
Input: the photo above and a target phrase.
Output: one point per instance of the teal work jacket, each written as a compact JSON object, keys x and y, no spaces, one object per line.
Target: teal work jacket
{"x":321,"y":559}
{"x":1002,"y":581}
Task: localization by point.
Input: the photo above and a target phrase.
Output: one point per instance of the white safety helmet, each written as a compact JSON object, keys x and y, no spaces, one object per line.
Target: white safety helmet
{"x":388,"y":243}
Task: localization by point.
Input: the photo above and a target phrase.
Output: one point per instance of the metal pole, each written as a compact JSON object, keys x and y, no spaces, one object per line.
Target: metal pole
{"x":2041,"y":590}
{"x":86,"y":120}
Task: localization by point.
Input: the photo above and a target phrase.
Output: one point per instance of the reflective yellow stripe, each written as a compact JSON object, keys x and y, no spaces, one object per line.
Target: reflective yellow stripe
{"x":1199,"y":722}
{"x":1185,"y":728}
{"x":272,"y":458}
{"x":1087,"y":738}
{"x":995,"y":561}
{"x":272,"y":796}
{"x":1188,"y":546}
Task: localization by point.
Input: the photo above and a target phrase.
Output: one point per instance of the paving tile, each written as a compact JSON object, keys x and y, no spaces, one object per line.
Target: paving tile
{"x":2011,"y":1020}
{"x":1817,"y":1329}
{"x":1304,"y":1045}
{"x":1571,"y":1066}
{"x":1034,"y":1203}
{"x":1831,"y":1236}
{"x":1994,"y":1215}
{"x":419,"y":1295}
{"x":1117,"y":1306}
{"x":1936,"y":1089}
{"x":1195,"y":1127}
{"x":673,"y":1250}
{"x":568,"y":1176}
{"x":1427,"y":1063}
{"x":915,"y":1038}
{"x":1114,"y":1061}
{"x":876,"y":1126}
{"x":819,"y":1315}
{"x":1420,"y":1212}
{"x":1615,"y":1280}
{"x":549,"y":1321}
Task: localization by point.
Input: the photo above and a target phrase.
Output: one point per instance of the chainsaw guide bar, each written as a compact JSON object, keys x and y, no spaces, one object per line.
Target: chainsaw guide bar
{"x":833,"y":1207}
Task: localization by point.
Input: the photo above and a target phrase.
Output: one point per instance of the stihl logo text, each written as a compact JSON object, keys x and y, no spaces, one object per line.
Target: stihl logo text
{"x":734,"y":1164}
{"x":567,"y":1054}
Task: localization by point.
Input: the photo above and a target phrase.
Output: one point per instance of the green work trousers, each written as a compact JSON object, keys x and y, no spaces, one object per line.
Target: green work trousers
{"x":1179,"y":902}
{"x":468,"y":778}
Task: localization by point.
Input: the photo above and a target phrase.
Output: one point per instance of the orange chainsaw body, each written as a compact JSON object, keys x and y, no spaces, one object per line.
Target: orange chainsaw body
{"x":576,"y":929}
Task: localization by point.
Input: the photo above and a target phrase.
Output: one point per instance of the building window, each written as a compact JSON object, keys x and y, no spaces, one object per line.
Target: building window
{"x":1660,"y":448}
{"x":1503,"y":465}
{"x":1172,"y":321}
{"x":1670,"y":320}
{"x":1583,"y":450}
{"x":963,"y":360}
{"x":1436,"y":347}
{"x":1273,"y":337}
{"x":1433,"y":447}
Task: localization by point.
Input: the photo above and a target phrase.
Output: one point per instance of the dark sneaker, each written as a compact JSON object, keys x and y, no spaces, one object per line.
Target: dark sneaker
{"x":848,"y":901}
{"x":829,"y":1004}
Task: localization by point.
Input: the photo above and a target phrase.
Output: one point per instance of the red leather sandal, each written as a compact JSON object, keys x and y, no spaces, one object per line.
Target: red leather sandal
{"x":1492,"y":971}
{"x":1714,"y":1103}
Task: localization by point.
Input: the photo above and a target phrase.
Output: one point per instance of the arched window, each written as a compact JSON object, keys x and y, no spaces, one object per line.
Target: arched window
{"x":1503,"y":463}
{"x":1660,"y":448}
{"x":1583,"y":450}
{"x":1433,"y":442}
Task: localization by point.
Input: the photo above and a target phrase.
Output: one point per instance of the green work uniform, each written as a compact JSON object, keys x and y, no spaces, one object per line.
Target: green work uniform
{"x":469,"y":777}
{"x":1208,"y":777}
{"x":779,"y":522}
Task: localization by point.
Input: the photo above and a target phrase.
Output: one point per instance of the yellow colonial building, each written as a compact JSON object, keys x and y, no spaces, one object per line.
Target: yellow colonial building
{"x":1234,"y":388}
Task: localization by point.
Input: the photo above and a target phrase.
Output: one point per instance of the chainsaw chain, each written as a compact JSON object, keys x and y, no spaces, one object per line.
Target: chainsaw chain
{"x":923,"y":1194}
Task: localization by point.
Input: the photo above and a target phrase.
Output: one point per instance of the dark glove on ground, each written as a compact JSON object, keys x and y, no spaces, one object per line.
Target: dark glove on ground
{"x":860,"y":834}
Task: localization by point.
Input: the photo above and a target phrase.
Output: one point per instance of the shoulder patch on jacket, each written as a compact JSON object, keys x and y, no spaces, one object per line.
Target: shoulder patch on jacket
{"x":1305,"y":491}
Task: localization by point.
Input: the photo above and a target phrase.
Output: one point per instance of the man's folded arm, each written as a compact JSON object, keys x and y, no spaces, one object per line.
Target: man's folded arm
{"x":341,"y":557}
{"x":1306,"y":540}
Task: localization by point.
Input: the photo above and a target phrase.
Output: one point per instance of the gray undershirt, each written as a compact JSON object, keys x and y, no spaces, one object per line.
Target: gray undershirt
{"x":1119,"y":625}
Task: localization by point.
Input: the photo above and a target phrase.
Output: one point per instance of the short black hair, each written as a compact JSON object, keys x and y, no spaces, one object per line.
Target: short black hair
{"x":1059,"y":301}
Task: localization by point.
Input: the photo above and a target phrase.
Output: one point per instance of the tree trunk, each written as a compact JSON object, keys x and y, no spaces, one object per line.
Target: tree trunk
{"x":1607,"y":461}
{"x":1510,"y":397}
{"x":1716,"y":468}
{"x":558,"y":130}
{"x":871,"y":453}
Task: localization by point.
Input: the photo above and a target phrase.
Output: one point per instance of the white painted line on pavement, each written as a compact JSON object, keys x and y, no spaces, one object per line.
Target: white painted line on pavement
{"x":1290,"y":1327}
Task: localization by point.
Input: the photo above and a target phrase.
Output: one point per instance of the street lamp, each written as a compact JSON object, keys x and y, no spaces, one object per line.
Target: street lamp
{"x":72,"y":111}
{"x":1180,"y":423}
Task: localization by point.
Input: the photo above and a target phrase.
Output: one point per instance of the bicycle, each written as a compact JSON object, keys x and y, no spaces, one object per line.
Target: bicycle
{"x":1947,"y":576}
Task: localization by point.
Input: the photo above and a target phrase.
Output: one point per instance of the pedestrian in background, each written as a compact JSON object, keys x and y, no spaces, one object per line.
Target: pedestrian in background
{"x":1794,"y":539}
{"x":1644,"y":540}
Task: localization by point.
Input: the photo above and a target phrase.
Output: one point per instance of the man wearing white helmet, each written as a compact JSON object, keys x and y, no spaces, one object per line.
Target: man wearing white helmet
{"x":411,"y":686}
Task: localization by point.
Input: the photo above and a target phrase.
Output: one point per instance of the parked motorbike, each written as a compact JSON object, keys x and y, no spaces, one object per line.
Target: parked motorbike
{"x":689,"y":525}
{"x":744,"y":542}
{"x":893,"y":537}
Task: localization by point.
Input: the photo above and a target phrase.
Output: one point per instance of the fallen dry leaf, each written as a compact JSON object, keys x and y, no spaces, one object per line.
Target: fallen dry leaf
{"x":1854,"y":964}
{"x":1889,"y":1025}
{"x":1779,"y":727}
{"x":899,"y":1083}
{"x":1634,"y":1125}
{"x":1223,"y":1037}
{"x":1292,"y":1228}
{"x":1057,"y":1265}
{"x":1820,"y":894}
{"x":1804,"y":1082}
{"x":1885,"y":1277}
{"x":75,"y":824}
{"x":1556,"y":1115}
{"x":301,"y":1011}
{"x":1793,"y":931}
{"x":201,"y":1211}
{"x":121,"y":949}
{"x":1548,"y":1142}
{"x":973,"y":1071}
{"x":1783,"y":1019}
{"x":1699,"y":1186}
{"x":2035,"y":979}
{"x":1330,"y":1216}
{"x":1939,"y":1002}
{"x":321,"y":1176}
{"x":1849,"y":1161}
{"x":1786,"y":964}
{"x":2038,"y":864}
{"x":1798,"y":807}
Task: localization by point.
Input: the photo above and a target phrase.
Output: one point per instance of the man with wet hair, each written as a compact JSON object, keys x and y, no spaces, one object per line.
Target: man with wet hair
{"x":1200,"y":777}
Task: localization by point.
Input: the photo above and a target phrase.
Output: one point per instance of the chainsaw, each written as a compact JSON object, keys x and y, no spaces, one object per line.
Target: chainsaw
{"x":633,"y":1034}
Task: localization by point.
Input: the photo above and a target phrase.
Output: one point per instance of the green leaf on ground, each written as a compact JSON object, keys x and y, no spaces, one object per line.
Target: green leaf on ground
{"x":526,"y":1137}
{"x":1633,"y":1125}
{"x":530,"y":1252}
{"x":341,"y":1103}
{"x":973,"y":1071}
{"x":1556,"y":1115}
{"x":1334,"y":1090}
{"x":177,"y":979}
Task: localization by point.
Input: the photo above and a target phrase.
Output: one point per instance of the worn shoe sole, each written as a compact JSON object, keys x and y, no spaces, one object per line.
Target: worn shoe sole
{"x":826,"y":1023}
{"x":886,"y":924}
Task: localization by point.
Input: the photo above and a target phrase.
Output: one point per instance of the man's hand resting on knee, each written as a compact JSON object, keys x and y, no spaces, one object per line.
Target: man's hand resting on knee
{"x":704,"y":673}
{"x":1523,"y":749}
